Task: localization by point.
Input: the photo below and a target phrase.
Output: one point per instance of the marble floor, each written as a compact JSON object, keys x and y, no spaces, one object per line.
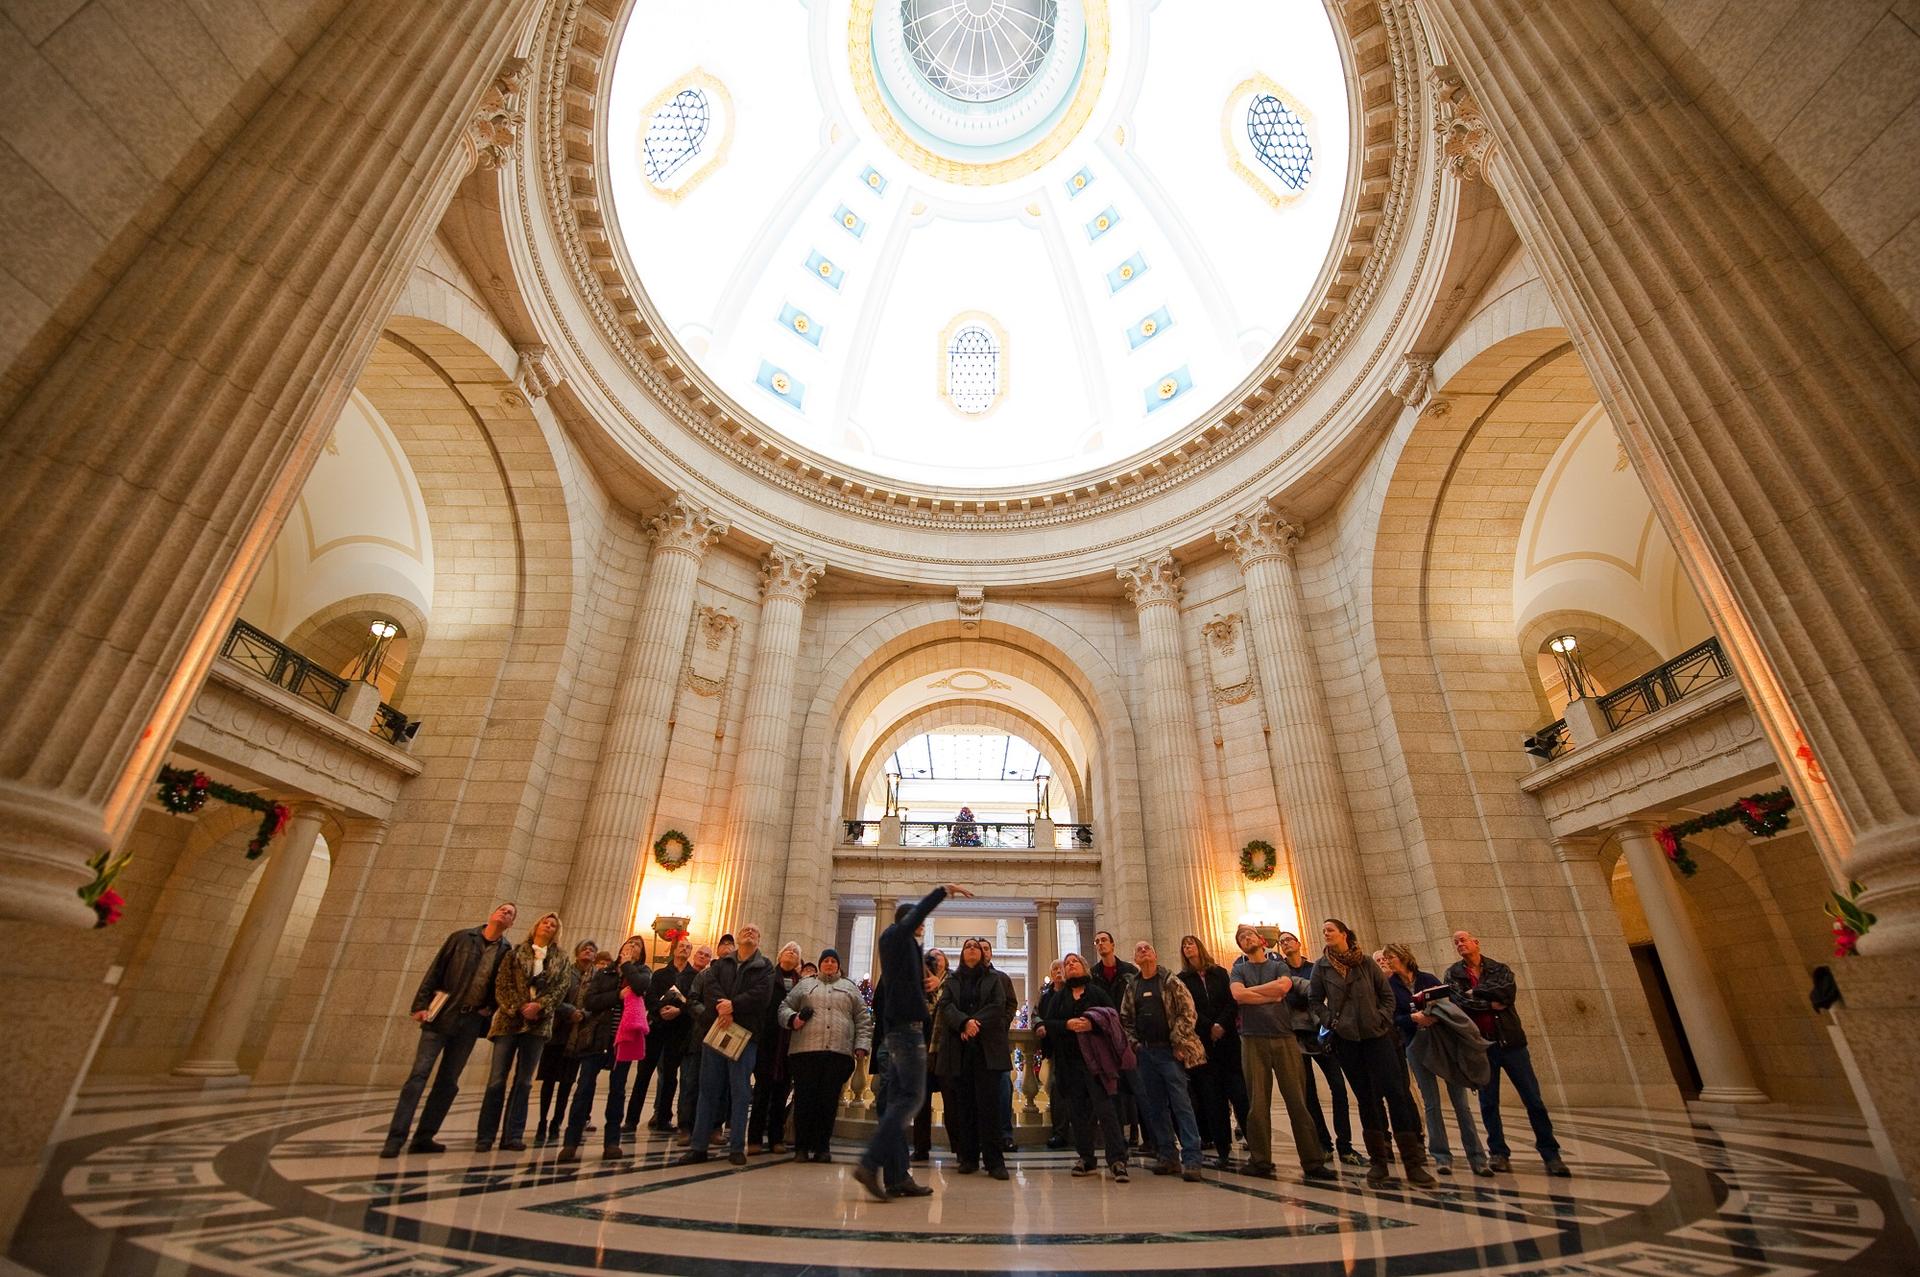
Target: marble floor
{"x":285,"y":1181}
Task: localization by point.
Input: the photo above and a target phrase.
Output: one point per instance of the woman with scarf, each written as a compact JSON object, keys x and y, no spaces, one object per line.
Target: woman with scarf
{"x":1087,"y":1099}
{"x":1354,"y":999}
{"x":1218,"y":1087}
{"x":527,"y":990}
{"x":973,"y":1053}
{"x":772,"y":1083}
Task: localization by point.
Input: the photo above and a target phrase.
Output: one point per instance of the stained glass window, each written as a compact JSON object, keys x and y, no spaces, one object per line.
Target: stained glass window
{"x":675,"y":133}
{"x":973,"y":369}
{"x":1279,"y":138}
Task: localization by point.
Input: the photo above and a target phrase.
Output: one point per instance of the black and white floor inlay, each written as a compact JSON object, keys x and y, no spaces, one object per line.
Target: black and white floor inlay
{"x":285,"y":1181}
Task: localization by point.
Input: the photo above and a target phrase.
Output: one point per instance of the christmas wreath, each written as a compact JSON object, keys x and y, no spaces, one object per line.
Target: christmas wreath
{"x":1764,"y":815}
{"x":1258,"y":860}
{"x":184,"y":791}
{"x":672,"y":849}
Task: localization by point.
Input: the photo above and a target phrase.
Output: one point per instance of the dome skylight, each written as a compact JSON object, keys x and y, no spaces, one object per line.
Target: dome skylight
{"x":979,"y":50}
{"x":885,"y":197}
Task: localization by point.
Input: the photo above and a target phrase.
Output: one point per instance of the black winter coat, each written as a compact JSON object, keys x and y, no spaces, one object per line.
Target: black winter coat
{"x":1064,"y":1042}
{"x":1213,"y":1004}
{"x":600,"y":999}
{"x":749,"y":985}
{"x":452,"y":969}
{"x":662,"y":1032}
{"x":982,"y":997}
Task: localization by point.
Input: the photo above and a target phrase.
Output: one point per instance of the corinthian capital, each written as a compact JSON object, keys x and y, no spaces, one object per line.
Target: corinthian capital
{"x":1465,"y":140}
{"x":1259,"y":534}
{"x":1154,"y":579}
{"x":685,"y":528}
{"x":789,"y":574}
{"x":495,"y":127}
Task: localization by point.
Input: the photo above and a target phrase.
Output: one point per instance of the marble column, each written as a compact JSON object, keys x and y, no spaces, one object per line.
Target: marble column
{"x":616,"y":836}
{"x":1725,"y":1075}
{"x":759,"y":819}
{"x":186,"y":410}
{"x":1182,"y":895}
{"x":1046,"y":946}
{"x":229,"y":1013}
{"x":883,"y":908}
{"x":1766,"y":413}
{"x":1328,"y":880}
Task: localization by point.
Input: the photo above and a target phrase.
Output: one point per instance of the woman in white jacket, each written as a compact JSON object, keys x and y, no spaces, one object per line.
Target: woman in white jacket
{"x":831,"y":1028}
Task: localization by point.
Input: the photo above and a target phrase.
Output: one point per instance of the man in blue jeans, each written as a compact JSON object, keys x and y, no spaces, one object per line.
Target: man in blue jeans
{"x":1487,"y":991}
{"x":900,"y":1004}
{"x":1156,"y":1010}
{"x":736,"y":989}
{"x":463,"y":970}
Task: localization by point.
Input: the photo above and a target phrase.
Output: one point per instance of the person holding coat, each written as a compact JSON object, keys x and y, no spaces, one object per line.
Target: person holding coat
{"x":1088,"y":1102}
{"x":1351,"y":993}
{"x":1408,"y":980}
{"x":830,"y":1028}
{"x":527,"y":993}
{"x":973,"y":1054}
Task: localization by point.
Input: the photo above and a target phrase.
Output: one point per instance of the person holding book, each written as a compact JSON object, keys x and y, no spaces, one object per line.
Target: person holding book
{"x":1411,"y":987}
{"x":453,"y":1007}
{"x":831,"y":1028}
{"x":883,"y":1167}
{"x":729,"y":999}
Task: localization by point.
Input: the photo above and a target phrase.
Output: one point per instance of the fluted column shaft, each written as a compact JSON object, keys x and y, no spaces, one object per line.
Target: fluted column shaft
{"x":1725,"y":1075}
{"x":1182,"y":894}
{"x":186,"y":413}
{"x":1046,"y":943}
{"x":229,"y":1013}
{"x":759,"y":822}
{"x":614,"y":850}
{"x":1769,"y":419}
{"x":1313,"y":797}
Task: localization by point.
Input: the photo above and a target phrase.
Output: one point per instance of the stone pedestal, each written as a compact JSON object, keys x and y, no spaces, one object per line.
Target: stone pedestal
{"x":1725,"y":1075}
{"x":58,"y":1017}
{"x":360,"y":705}
{"x":214,"y":1052}
{"x":1585,"y":721}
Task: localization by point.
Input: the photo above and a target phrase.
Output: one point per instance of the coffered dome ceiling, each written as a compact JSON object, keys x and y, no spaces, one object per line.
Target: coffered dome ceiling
{"x":978,"y":243}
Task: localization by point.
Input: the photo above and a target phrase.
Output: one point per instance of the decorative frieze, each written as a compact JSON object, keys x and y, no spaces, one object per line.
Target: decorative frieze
{"x":1229,"y":664}
{"x":716,"y":634}
{"x":1412,"y":381}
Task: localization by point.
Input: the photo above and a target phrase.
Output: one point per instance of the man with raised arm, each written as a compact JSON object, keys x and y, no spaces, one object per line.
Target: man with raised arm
{"x":903,"y":1009}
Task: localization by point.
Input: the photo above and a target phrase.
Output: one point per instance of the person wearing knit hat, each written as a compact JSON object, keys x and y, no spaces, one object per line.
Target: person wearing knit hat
{"x":831,"y":1028}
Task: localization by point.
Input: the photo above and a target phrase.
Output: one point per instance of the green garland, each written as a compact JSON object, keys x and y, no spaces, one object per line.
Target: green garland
{"x":1764,"y":815}
{"x":667,"y":840}
{"x":184,"y":791}
{"x":1258,"y":861}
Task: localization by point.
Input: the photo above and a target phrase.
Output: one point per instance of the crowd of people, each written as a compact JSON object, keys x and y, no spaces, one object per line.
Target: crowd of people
{"x":1148,"y":1064}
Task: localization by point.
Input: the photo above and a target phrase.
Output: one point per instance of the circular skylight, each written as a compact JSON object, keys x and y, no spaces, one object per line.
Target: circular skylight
{"x":978,"y":243}
{"x":978,"y":50}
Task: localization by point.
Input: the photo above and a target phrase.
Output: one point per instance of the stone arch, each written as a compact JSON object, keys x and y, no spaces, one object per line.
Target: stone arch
{"x":1013,"y":721}
{"x":1613,"y":653}
{"x":1479,"y":850}
{"x":485,"y":682}
{"x":316,"y":637}
{"x":1087,"y":679}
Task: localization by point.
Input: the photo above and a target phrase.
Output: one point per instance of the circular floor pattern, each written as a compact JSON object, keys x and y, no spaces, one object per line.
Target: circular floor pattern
{"x":286,"y":1182}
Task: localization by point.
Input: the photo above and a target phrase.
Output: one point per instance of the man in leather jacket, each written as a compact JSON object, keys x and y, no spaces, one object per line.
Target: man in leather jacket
{"x":1487,"y":991}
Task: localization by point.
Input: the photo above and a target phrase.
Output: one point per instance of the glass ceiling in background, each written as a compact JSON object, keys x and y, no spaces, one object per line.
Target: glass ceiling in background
{"x":978,"y":243}
{"x":946,"y":756}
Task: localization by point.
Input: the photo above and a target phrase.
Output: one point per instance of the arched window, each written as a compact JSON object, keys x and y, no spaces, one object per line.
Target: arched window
{"x":1279,"y":139}
{"x":675,"y":133}
{"x":973,"y":369}
{"x":979,"y":50}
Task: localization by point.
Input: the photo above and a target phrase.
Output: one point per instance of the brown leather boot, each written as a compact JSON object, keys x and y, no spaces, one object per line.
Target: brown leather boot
{"x":1413,"y":1157}
{"x":1379,"y":1159}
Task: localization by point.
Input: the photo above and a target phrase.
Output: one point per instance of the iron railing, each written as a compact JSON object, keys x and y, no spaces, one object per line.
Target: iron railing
{"x":1695,"y":669}
{"x":392,"y":726}
{"x":258,"y":652}
{"x":947,"y":833}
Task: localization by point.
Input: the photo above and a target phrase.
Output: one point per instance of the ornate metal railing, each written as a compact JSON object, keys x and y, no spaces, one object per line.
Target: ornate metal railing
{"x":1695,"y":669}
{"x":258,"y":652}
{"x":944,"y":833}
{"x":1549,"y":742}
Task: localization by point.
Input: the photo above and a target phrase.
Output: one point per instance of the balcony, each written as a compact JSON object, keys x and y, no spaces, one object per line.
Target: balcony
{"x":264,"y":656}
{"x":1675,"y":735}
{"x":967,"y":834}
{"x":995,"y":859}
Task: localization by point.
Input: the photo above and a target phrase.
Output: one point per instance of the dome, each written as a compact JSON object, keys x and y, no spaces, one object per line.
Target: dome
{"x":978,"y":243}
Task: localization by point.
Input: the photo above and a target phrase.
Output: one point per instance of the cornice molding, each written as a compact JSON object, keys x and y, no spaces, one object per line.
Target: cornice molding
{"x":577,"y":42}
